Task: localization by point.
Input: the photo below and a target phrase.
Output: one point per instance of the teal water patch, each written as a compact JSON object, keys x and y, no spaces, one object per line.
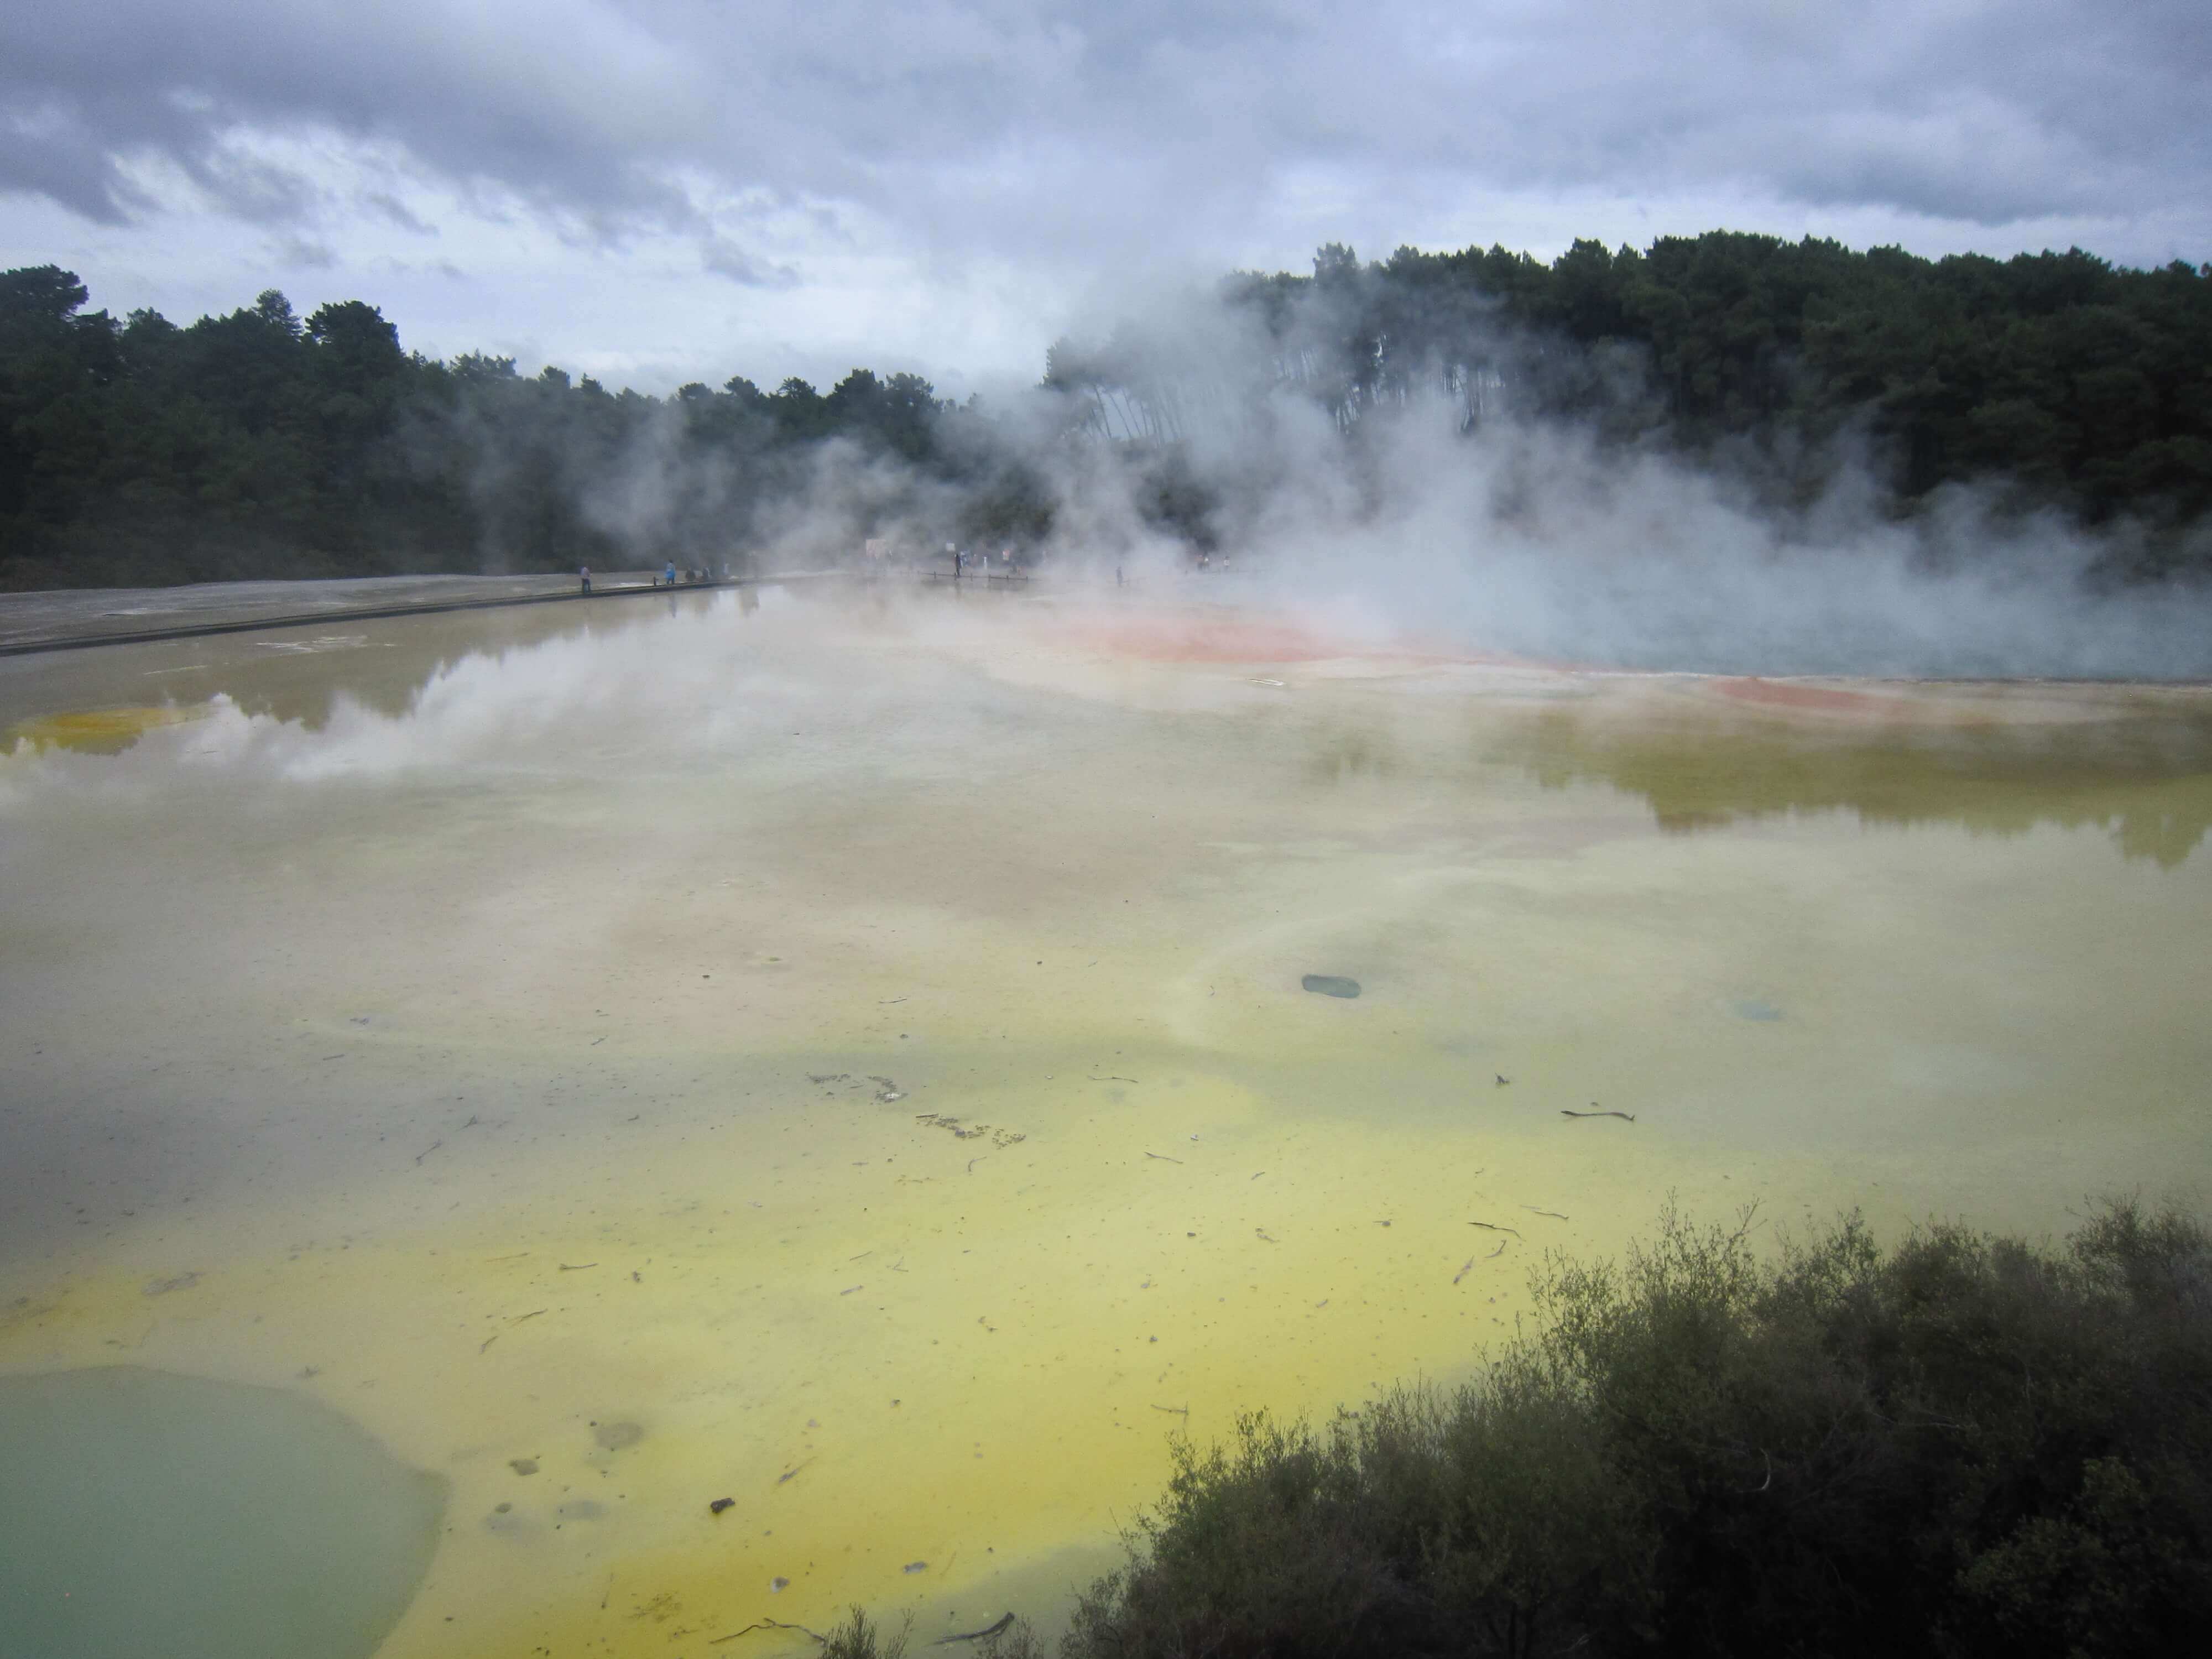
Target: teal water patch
{"x":143,"y":1512}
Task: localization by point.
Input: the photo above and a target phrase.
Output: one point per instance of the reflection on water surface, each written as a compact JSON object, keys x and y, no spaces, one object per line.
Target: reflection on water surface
{"x":857,"y":1049}
{"x":2146,"y":778}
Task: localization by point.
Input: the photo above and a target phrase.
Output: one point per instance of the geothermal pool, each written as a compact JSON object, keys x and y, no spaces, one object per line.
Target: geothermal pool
{"x":848,"y":1053}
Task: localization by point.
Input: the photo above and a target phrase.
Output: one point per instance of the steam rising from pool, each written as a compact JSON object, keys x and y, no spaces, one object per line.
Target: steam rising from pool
{"x":1491,"y":529}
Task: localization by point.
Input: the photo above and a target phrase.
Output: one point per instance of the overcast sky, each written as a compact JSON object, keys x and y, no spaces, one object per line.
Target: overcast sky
{"x":658,"y":191}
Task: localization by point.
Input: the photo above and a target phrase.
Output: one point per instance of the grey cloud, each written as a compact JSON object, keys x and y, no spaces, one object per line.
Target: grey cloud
{"x":725,"y":259}
{"x":561,"y":104}
{"x":39,"y":155}
{"x":1052,"y":130}
{"x":254,"y":189}
{"x":390,"y":207}
{"x":303,"y":252}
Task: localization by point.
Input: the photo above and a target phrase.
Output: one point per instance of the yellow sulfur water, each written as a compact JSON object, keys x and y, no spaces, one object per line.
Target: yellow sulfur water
{"x":850,"y":1057}
{"x":93,"y":730}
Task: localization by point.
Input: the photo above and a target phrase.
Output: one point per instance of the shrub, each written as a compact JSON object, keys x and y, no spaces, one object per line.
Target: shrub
{"x":1965,"y":1445}
{"x":857,"y":1637}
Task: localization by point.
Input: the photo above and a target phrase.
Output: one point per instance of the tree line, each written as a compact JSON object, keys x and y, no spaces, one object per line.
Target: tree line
{"x":261,"y":443}
{"x":2057,"y":380}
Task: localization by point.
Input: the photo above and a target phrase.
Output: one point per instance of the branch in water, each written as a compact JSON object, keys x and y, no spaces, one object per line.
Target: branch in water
{"x":772,"y":1624}
{"x":975,"y":1635}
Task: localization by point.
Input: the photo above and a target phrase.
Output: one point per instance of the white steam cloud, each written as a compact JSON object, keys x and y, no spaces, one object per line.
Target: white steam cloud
{"x":1443,"y":509}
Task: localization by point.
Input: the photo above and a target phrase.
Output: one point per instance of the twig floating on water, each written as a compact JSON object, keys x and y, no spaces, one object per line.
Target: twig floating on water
{"x":1627,"y":1116}
{"x":427,"y":1150}
{"x":1495,"y":1254}
{"x":1533,"y":1210}
{"x":1174,"y":1411}
{"x":532,"y":1314}
{"x":1102,"y":1079}
{"x":1266,"y":1237}
{"x":785,"y":1476}
{"x":487,"y":1342}
{"x":1467,"y":1267}
{"x":1496,"y":1227}
{"x":773,"y":1624}
{"x":1163,"y":1157}
{"x":576,"y":1267}
{"x":850,"y":1289}
{"x":988,"y":1631}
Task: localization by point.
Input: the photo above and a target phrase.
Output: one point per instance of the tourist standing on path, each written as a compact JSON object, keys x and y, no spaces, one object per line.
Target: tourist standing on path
{"x":671,"y":572}
{"x":585,"y":573}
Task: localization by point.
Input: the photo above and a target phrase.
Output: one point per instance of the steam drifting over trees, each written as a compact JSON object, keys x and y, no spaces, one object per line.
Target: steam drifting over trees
{"x":263,"y":444}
